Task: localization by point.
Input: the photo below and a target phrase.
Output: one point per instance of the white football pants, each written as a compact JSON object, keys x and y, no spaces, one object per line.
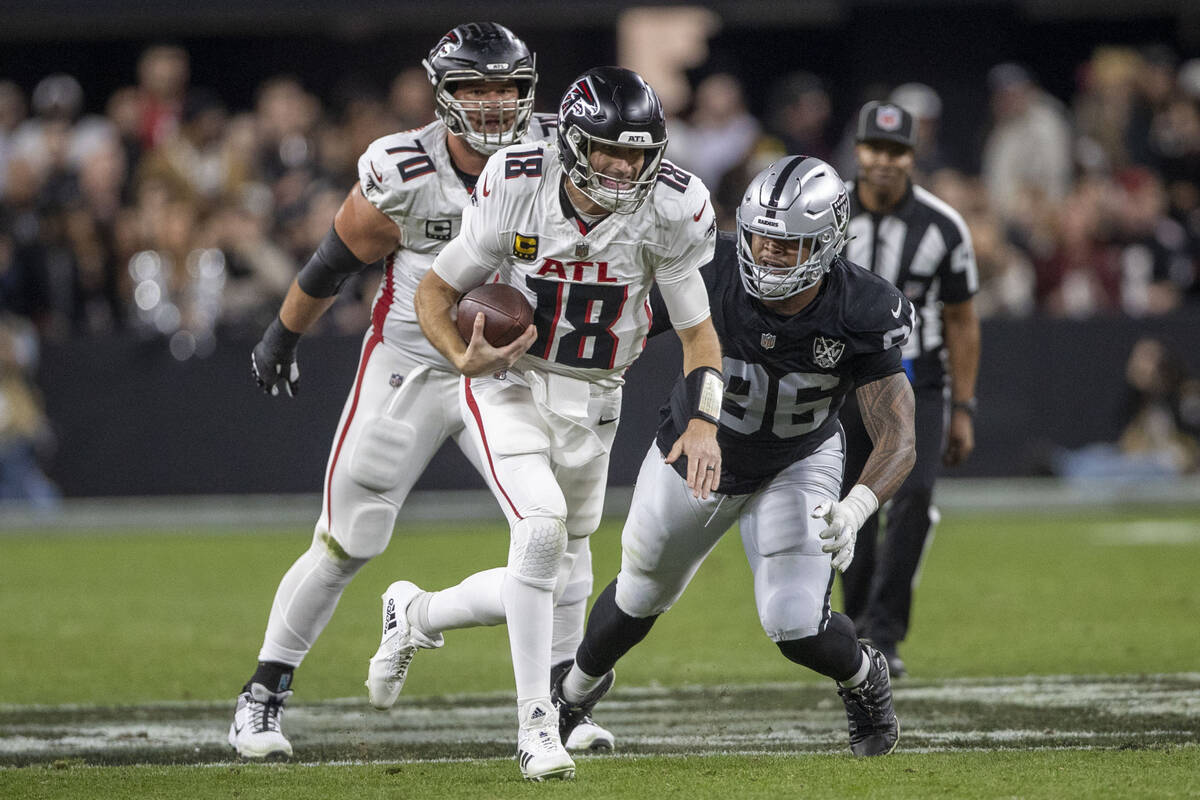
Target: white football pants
{"x":539,"y":495}
{"x":396,"y":417}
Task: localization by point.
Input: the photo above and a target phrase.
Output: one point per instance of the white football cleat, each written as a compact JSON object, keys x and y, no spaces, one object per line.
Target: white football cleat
{"x":256,"y":731}
{"x":400,"y":642}
{"x":590,"y":737}
{"x":539,"y":748}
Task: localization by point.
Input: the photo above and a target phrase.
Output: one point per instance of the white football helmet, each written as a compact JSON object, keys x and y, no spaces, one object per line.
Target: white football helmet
{"x":797,"y":197}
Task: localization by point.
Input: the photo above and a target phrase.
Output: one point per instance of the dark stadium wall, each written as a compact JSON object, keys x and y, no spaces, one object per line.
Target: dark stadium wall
{"x":131,"y":420}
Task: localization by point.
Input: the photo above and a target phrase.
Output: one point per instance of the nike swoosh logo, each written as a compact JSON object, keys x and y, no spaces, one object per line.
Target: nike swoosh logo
{"x":485,"y":189}
{"x":375,"y":172}
{"x":700,"y":213}
{"x":899,"y":307}
{"x":607,"y":421}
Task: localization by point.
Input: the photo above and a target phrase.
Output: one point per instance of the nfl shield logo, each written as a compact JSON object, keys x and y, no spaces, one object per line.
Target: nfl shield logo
{"x":888,"y":118}
{"x":767,"y":341}
{"x":581,"y":250}
{"x":396,"y":380}
{"x":826,"y":352}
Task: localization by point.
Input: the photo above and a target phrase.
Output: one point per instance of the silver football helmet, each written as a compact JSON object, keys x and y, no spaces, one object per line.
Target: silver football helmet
{"x":797,"y":197}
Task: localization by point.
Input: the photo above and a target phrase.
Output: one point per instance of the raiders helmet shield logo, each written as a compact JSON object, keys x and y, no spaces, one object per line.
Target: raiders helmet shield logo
{"x":767,"y":341}
{"x":841,"y":210}
{"x":826,"y":352}
{"x":525,"y":247}
{"x":888,"y":118}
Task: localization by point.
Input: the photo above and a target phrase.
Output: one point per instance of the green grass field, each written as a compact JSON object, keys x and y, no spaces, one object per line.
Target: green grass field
{"x":1052,"y":656}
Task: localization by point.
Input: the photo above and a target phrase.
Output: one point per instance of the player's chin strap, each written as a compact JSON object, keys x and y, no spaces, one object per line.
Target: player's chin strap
{"x":705,"y":387}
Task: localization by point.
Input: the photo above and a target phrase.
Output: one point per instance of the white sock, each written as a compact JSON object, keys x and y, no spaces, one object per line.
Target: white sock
{"x":475,"y":602}
{"x":305,"y":600}
{"x":529,"y":611}
{"x":578,"y":684}
{"x":570,"y":611}
{"x":860,"y":675}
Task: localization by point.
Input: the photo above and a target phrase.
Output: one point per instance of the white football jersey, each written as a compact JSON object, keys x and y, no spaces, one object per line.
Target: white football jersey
{"x":409,"y":177}
{"x":589,"y":288}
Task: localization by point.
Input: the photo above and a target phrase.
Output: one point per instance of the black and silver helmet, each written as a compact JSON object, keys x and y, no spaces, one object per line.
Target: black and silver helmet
{"x":484,"y":51}
{"x":612,"y":106}
{"x":796,"y":198}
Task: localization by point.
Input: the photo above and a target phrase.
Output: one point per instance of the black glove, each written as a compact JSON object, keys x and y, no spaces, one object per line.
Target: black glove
{"x":273,"y":360}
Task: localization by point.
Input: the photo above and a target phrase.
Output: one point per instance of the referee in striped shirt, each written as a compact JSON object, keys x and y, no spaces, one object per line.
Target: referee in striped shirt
{"x":903,"y":233}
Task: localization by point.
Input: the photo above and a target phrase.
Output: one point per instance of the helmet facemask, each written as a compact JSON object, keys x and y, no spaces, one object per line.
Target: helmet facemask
{"x":769,"y":282}
{"x":632,"y":195}
{"x":797,"y":199}
{"x":512,"y":116}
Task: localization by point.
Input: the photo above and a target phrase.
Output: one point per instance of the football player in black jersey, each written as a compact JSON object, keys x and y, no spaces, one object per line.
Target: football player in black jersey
{"x":800,"y":327}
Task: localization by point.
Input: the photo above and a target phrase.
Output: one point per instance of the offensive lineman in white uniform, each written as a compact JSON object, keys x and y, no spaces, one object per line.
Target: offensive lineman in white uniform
{"x":404,"y":404}
{"x":583,"y":227}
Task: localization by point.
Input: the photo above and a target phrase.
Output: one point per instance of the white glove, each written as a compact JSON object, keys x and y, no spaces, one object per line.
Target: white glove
{"x":844,"y":519}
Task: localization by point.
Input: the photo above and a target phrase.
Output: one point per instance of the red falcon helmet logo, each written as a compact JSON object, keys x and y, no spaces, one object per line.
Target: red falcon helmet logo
{"x":450,"y":42}
{"x":887,"y":118}
{"x":581,"y":99}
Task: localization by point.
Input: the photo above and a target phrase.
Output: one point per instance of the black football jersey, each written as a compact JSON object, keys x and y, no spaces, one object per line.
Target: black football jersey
{"x":786,"y":377}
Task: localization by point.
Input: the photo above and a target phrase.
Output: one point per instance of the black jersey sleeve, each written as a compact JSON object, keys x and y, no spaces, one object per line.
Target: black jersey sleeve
{"x":881,"y":319}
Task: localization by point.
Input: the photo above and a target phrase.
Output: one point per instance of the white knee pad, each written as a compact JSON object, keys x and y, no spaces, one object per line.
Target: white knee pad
{"x":536,"y":547}
{"x":643,"y":595}
{"x":790,"y":592}
{"x":368,"y":531}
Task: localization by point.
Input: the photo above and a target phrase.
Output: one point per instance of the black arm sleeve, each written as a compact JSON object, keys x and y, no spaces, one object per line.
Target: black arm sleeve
{"x":329,"y":267}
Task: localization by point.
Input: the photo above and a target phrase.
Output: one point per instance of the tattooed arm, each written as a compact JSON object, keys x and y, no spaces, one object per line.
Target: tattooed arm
{"x":887,"y":406}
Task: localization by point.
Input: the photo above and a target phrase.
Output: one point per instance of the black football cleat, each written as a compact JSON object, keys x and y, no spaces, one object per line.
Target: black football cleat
{"x":576,"y":718}
{"x":874,"y":729}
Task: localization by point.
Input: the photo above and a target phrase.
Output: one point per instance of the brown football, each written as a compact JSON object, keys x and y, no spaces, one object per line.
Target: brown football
{"x":506,"y":313}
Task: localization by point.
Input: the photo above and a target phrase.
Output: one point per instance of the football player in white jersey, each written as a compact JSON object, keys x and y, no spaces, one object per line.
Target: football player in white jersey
{"x":583,"y":227}
{"x":404,"y":403}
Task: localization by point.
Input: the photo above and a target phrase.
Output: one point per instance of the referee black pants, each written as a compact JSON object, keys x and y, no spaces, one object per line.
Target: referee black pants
{"x":878,"y":586}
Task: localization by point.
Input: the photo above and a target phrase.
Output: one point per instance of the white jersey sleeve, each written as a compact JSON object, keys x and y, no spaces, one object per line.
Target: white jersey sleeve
{"x":686,"y":301}
{"x":687,"y":210}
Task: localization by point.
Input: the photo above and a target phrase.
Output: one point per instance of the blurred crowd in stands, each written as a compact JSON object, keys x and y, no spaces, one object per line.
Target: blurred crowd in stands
{"x":172,"y":215}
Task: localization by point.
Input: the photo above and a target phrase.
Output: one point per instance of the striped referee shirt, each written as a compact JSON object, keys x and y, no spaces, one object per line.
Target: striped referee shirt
{"x":924,"y":248}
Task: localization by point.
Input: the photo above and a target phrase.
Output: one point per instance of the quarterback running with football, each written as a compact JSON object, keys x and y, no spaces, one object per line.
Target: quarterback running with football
{"x":403,"y":405}
{"x":800,"y":328}
{"x":583,"y":227}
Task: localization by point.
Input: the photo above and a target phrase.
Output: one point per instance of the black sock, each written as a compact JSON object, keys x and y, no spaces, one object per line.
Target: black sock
{"x":610,"y":634}
{"x":834,"y":652}
{"x":273,"y":675}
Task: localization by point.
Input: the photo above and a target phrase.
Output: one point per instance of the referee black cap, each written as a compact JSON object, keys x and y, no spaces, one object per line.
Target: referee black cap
{"x":885,"y":122}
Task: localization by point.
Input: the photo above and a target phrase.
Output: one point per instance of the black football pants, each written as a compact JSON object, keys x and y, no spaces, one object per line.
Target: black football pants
{"x":877,"y":588}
